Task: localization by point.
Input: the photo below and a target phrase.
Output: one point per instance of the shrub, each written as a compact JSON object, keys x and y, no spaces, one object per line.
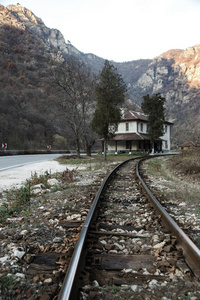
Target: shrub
{"x":69,"y":175}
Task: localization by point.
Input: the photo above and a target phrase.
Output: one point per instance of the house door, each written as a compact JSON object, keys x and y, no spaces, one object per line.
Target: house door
{"x":128,"y":145}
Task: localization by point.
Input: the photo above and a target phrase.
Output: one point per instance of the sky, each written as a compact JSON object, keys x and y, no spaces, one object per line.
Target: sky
{"x":121,"y":30}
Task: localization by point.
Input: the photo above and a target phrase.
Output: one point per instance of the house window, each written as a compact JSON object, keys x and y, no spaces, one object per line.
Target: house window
{"x":127,"y":126}
{"x":141,"y":127}
{"x":166,"y":145}
{"x":116,"y":127}
{"x":165,"y":128}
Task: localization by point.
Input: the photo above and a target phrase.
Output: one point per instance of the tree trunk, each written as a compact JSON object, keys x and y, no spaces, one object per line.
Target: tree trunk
{"x":78,"y":147}
{"x":88,"y":150}
{"x":105,"y":142}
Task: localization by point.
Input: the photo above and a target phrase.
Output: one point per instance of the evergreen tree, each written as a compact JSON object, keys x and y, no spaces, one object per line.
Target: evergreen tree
{"x":154,"y":108}
{"x":110,"y":93}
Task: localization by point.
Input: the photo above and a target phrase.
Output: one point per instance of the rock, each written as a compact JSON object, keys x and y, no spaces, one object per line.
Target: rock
{"x":109,"y":247}
{"x":52,"y":182}
{"x":36,"y":278}
{"x":53,"y":221}
{"x":153,"y":283}
{"x":18,"y":252}
{"x":37,"y":186}
{"x":118,"y":247}
{"x":103,"y":242}
{"x":20,"y":275}
{"x":4,"y":259}
{"x":84,"y":296}
{"x":84,"y":213}
{"x":159,"y":245}
{"x":127,"y":270}
{"x":57,"y":240}
{"x":95,"y":283}
{"x":48,"y":280}
{"x":134,"y":288}
{"x":168,"y":248}
{"x":24,"y":232}
{"x":29,"y":258}
{"x":155,"y":238}
{"x":112,"y":251}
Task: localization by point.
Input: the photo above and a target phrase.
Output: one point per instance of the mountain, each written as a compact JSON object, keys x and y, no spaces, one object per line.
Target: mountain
{"x":174,"y":73}
{"x":26,"y":49}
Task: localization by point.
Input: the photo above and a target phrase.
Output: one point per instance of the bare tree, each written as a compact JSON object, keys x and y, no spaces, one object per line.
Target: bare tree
{"x":75,"y":101}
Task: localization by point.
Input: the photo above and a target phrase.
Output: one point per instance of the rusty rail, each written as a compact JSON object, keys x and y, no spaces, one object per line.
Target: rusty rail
{"x":67,"y":291}
{"x":190,"y":250}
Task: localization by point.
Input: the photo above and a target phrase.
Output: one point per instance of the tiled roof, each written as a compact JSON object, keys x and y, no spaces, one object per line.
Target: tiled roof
{"x":129,"y":137}
{"x":132,"y":115}
{"x":187,"y":144}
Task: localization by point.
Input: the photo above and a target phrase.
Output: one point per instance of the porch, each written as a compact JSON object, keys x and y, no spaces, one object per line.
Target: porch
{"x":128,"y":143}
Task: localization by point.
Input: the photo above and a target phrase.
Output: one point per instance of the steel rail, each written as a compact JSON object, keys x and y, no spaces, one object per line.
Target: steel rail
{"x":67,"y":288}
{"x":188,"y":246}
{"x":190,"y":250}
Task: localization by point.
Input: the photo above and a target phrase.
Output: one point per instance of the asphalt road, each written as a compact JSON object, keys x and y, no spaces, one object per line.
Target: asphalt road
{"x":15,"y":170}
{"x":9,"y":162}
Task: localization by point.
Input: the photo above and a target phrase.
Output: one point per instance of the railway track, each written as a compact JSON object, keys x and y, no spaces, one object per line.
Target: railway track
{"x":127,"y":250}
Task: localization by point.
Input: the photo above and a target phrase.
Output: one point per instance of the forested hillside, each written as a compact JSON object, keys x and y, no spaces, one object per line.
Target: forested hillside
{"x":30,"y":115}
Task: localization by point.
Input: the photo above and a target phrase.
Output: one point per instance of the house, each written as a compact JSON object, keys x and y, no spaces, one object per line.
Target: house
{"x":186,"y":146}
{"x":131,"y":135}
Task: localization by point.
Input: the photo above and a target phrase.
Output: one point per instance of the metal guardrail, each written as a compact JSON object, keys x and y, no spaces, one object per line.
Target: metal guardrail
{"x":190,"y":250}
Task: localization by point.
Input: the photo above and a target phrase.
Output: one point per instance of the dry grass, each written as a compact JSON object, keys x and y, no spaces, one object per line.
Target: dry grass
{"x":188,"y":163}
{"x":177,"y":178}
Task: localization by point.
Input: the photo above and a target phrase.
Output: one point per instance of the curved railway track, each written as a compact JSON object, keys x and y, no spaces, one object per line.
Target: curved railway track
{"x":126,"y":250}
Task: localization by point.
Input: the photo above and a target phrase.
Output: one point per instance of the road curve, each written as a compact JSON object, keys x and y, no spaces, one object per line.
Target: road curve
{"x":15,"y":170}
{"x":9,"y":162}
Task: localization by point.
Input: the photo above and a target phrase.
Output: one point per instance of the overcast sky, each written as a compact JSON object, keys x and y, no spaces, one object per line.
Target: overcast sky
{"x":121,"y":30}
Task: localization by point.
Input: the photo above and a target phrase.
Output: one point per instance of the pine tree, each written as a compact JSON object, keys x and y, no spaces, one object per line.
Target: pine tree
{"x":110,"y":93}
{"x":154,"y":108}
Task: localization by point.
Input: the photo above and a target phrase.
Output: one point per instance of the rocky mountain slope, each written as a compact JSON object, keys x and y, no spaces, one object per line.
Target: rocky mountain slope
{"x":26,"y":46}
{"x":174,"y":73}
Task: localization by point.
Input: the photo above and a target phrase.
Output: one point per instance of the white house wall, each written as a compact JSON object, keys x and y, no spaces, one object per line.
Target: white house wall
{"x":135,"y":127}
{"x":144,"y":127}
{"x":166,"y":138}
{"x":121,"y":146}
{"x":122,"y":127}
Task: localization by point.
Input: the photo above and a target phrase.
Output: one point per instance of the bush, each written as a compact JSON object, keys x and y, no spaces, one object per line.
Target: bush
{"x":69,"y":176}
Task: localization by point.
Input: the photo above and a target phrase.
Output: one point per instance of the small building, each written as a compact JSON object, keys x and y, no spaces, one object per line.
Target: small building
{"x":186,"y":146}
{"x":131,"y":135}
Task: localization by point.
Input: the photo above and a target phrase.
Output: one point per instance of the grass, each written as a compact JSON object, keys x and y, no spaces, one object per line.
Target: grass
{"x":36,"y":179}
{"x":112,"y":289}
{"x":187,"y":163}
{"x":154,"y":166}
{"x":19,"y":200}
{"x":16,"y":200}
{"x":9,"y":282}
{"x":95,"y":159}
{"x":179,"y":176}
